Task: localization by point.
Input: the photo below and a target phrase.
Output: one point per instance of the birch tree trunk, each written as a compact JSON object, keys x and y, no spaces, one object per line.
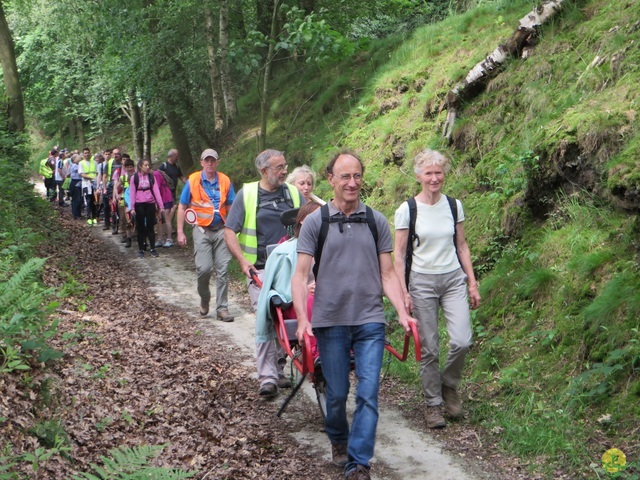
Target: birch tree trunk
{"x":520,"y":43}
{"x":228,"y":93}
{"x":10,"y":75}
{"x":264,"y":100}
{"x":146,"y":132}
{"x":214,"y":73}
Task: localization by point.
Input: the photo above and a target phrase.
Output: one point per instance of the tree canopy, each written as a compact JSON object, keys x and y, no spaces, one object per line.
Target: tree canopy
{"x":88,"y":65}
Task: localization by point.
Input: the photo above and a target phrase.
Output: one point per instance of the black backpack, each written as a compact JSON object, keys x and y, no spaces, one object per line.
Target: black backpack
{"x":413,"y":214}
{"x":340,"y":220}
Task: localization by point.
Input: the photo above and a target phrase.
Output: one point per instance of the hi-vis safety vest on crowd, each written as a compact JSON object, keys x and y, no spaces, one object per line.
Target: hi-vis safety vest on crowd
{"x":89,"y":168}
{"x":44,"y":170}
{"x":201,"y":203}
{"x":248,"y":236}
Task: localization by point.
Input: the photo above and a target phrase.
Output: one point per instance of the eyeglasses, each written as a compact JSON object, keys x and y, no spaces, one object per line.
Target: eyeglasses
{"x":346,"y":177}
{"x":279,"y":168}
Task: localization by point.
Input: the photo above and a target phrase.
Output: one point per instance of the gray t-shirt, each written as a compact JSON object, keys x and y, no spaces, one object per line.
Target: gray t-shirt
{"x":270,"y":228}
{"x":349,"y":286}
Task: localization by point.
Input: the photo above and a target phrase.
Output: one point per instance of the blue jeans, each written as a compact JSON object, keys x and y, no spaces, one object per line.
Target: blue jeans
{"x":335,"y":345}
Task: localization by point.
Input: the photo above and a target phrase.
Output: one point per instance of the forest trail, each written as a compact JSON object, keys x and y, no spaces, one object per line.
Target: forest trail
{"x":402,"y":452}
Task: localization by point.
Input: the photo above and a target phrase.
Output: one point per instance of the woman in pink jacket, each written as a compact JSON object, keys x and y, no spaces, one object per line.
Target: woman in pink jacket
{"x":144,"y":194}
{"x":164,"y":227}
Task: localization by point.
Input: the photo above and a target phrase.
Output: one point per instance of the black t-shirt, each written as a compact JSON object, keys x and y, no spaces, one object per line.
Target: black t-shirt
{"x":174,"y":173}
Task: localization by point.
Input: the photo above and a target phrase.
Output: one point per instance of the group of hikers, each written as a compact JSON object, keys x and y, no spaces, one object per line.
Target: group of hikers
{"x":335,"y":265}
{"x":128,"y":198}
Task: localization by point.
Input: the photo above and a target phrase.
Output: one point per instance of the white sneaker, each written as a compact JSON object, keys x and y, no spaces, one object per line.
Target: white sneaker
{"x":168,"y":244}
{"x":159,"y":243}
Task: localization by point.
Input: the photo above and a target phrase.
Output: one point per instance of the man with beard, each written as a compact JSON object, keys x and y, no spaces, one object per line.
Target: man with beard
{"x":252,"y":225}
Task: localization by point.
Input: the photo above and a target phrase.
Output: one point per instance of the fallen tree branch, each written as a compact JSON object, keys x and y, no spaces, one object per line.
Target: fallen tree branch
{"x":520,"y":43}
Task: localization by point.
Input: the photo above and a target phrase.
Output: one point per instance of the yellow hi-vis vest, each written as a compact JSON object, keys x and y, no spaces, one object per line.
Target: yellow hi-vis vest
{"x":44,"y":169}
{"x":89,"y":168}
{"x":248,"y":236}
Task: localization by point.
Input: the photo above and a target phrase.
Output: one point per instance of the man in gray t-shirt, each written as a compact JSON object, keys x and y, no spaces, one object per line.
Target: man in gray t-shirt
{"x":352,"y":274}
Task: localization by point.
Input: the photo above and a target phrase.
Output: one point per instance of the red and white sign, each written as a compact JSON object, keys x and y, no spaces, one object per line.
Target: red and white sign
{"x":190,"y":216}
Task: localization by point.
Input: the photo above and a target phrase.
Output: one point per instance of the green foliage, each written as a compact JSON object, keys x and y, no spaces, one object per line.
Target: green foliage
{"x":126,"y":463}
{"x":313,"y":37}
{"x":24,"y":314}
{"x":37,"y":459}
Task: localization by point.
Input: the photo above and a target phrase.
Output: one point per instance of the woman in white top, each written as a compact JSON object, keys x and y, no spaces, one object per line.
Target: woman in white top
{"x":441,"y":271}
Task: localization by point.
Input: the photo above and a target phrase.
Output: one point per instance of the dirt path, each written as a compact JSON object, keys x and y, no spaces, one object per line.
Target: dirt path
{"x":160,"y":373}
{"x":402,"y":452}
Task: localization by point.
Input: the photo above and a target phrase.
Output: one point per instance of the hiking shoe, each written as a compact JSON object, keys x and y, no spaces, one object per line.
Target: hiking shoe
{"x":359,"y":473}
{"x":452,"y":404}
{"x":284,"y":382}
{"x":106,"y":226}
{"x":141,"y":254}
{"x":204,"y":307}
{"x":339,"y":455}
{"x":94,"y":221}
{"x":168,"y":244}
{"x":154,"y":253}
{"x":268,"y":390}
{"x":123,"y":240}
{"x":90,"y":222}
{"x":159,"y":243}
{"x":435,"y":417}
{"x":127,"y":243}
{"x":224,"y":316}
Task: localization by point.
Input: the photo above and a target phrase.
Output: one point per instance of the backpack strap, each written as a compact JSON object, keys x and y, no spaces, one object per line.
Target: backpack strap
{"x":408,"y":257}
{"x":136,"y":180}
{"x":285,"y":197}
{"x":454,"y":212}
{"x":340,"y":220}
{"x":413,"y":214}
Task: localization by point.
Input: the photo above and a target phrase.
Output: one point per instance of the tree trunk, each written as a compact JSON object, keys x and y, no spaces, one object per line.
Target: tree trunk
{"x":214,"y":73}
{"x":519,"y":43}
{"x":264,"y":101}
{"x":230,"y":106}
{"x":263,"y":10}
{"x":179,"y":135}
{"x":146,"y":127}
{"x":80,"y":130}
{"x":10,"y":75}
{"x":308,"y":6}
{"x":71,"y":127}
{"x":136,"y":124}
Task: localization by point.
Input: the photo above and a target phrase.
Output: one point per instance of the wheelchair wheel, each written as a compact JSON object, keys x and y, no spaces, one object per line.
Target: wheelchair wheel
{"x":320,"y":385}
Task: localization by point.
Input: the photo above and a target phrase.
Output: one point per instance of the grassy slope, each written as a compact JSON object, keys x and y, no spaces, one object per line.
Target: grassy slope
{"x":537,"y":158}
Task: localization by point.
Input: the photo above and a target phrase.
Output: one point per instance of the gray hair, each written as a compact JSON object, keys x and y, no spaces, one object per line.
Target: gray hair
{"x":262,"y":160}
{"x":303,"y":170}
{"x":429,"y":157}
{"x":172,"y":152}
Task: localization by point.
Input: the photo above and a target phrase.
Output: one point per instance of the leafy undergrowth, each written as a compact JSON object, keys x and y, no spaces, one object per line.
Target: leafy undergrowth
{"x":136,"y":373}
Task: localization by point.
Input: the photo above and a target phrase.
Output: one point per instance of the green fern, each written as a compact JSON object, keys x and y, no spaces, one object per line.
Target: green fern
{"x":133,"y":464}
{"x":14,"y":288}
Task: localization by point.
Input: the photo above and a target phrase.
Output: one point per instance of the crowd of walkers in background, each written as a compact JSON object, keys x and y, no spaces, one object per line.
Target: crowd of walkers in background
{"x":109,"y":188}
